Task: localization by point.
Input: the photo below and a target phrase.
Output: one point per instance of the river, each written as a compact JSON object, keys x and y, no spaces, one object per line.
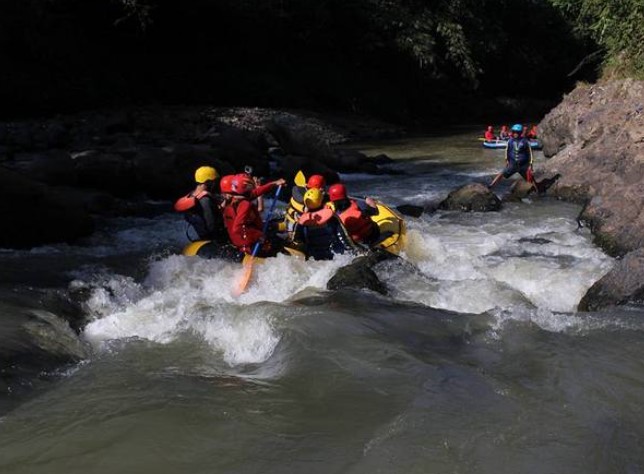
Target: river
{"x":476,"y":363}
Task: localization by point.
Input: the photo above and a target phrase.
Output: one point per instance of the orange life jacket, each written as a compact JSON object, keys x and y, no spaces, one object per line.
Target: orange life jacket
{"x":357,"y":224}
{"x":316,"y":218}
{"x":189,"y":201}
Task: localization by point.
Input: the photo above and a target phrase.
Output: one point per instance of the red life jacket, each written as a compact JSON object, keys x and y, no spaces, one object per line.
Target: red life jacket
{"x":243,"y":223}
{"x":357,"y":224}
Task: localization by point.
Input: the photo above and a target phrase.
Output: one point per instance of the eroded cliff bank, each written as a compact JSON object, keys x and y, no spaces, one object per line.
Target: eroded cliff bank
{"x":595,"y":139}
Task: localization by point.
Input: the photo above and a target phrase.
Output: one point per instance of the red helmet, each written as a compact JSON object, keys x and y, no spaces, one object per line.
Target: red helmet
{"x":316,"y":181}
{"x":241,"y":183}
{"x":337,"y":192}
{"x":226,"y":184}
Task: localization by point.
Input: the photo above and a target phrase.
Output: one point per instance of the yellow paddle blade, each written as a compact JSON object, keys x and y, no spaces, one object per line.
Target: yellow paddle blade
{"x":244,"y":279}
{"x":300,"y":179}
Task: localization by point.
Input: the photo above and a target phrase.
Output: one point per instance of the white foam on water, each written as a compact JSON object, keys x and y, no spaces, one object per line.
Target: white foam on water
{"x":192,"y":295}
{"x":474,"y":263}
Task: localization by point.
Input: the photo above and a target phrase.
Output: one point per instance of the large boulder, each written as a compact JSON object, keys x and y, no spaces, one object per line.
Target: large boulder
{"x":623,"y":284}
{"x":522,"y":189}
{"x":595,"y":140}
{"x":55,"y":167}
{"x":33,"y":213}
{"x":32,"y":342}
{"x":471,"y":197}
{"x":297,"y":137}
{"x":359,"y":274}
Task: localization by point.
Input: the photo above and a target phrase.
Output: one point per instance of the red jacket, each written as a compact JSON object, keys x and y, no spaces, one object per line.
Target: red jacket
{"x":242,"y":219}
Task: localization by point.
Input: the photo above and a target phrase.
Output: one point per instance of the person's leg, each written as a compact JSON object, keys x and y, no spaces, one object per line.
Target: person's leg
{"x":496,"y":179}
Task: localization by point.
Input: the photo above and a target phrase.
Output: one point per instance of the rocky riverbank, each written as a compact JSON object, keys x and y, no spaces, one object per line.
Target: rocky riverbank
{"x":595,"y":140}
{"x":56,"y":174}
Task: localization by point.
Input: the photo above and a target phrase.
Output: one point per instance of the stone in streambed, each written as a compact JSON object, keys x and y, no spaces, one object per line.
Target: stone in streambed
{"x":471,"y":197}
{"x":359,"y":274}
{"x":624,"y":284}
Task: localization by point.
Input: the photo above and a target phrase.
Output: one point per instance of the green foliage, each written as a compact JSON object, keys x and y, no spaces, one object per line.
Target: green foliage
{"x":616,"y":25}
{"x":396,"y":58}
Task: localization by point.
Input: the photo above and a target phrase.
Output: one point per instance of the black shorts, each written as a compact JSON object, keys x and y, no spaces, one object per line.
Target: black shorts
{"x":514,"y":167}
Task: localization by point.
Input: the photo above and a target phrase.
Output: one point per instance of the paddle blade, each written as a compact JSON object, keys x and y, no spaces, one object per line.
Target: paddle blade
{"x":300,"y":179}
{"x":247,"y":272}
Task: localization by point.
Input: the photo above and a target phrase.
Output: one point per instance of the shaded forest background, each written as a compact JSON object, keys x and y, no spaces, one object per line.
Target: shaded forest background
{"x":403,"y":60}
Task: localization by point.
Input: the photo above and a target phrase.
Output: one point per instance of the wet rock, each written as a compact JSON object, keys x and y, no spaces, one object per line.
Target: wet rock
{"x":54,"y":167}
{"x":106,"y":171}
{"x":34,"y":341}
{"x":471,"y":197}
{"x":595,"y":139}
{"x":359,"y":274}
{"x":33,"y":213}
{"x":624,"y":284}
{"x":522,"y":189}
{"x":296,"y":137}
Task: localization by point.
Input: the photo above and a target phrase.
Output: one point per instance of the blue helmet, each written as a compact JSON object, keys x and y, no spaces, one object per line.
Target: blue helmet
{"x":517,"y":127}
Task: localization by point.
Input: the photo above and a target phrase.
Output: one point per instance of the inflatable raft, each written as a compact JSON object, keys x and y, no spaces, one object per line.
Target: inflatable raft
{"x":534,"y":144}
{"x":393,"y":235}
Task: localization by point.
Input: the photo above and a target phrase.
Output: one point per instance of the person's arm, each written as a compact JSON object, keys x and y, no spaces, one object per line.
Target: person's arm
{"x":265,"y":188}
{"x":372,"y":207}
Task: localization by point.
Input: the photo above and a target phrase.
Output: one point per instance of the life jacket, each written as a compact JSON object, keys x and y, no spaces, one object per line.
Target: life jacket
{"x":245,"y":234}
{"x":193,"y":214}
{"x":316,"y":218}
{"x":519,"y":151}
{"x":359,"y":226}
{"x":321,"y":234}
{"x":296,"y":204}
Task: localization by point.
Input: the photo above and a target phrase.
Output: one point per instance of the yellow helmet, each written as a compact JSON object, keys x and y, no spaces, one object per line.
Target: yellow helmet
{"x":206,"y":173}
{"x":313,"y":198}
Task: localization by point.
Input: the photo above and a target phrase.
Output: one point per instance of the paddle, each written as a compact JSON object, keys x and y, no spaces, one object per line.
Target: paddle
{"x":300,"y":179}
{"x":248,"y":260}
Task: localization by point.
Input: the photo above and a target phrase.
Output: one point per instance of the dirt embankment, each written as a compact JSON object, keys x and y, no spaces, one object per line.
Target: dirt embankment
{"x":595,"y":139}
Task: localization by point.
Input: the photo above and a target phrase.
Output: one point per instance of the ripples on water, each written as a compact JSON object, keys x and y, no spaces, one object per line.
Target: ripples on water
{"x":477,"y":362}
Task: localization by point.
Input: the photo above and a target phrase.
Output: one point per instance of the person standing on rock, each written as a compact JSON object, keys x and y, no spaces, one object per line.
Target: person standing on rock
{"x":518,"y":157}
{"x":202,"y":208}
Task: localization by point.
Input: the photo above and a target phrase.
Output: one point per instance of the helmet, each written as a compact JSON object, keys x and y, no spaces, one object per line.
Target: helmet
{"x":316,"y":181}
{"x":517,"y":127}
{"x":205,"y":173}
{"x":241,"y":183}
{"x":226,"y":184}
{"x":337,"y":192}
{"x":313,"y":198}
